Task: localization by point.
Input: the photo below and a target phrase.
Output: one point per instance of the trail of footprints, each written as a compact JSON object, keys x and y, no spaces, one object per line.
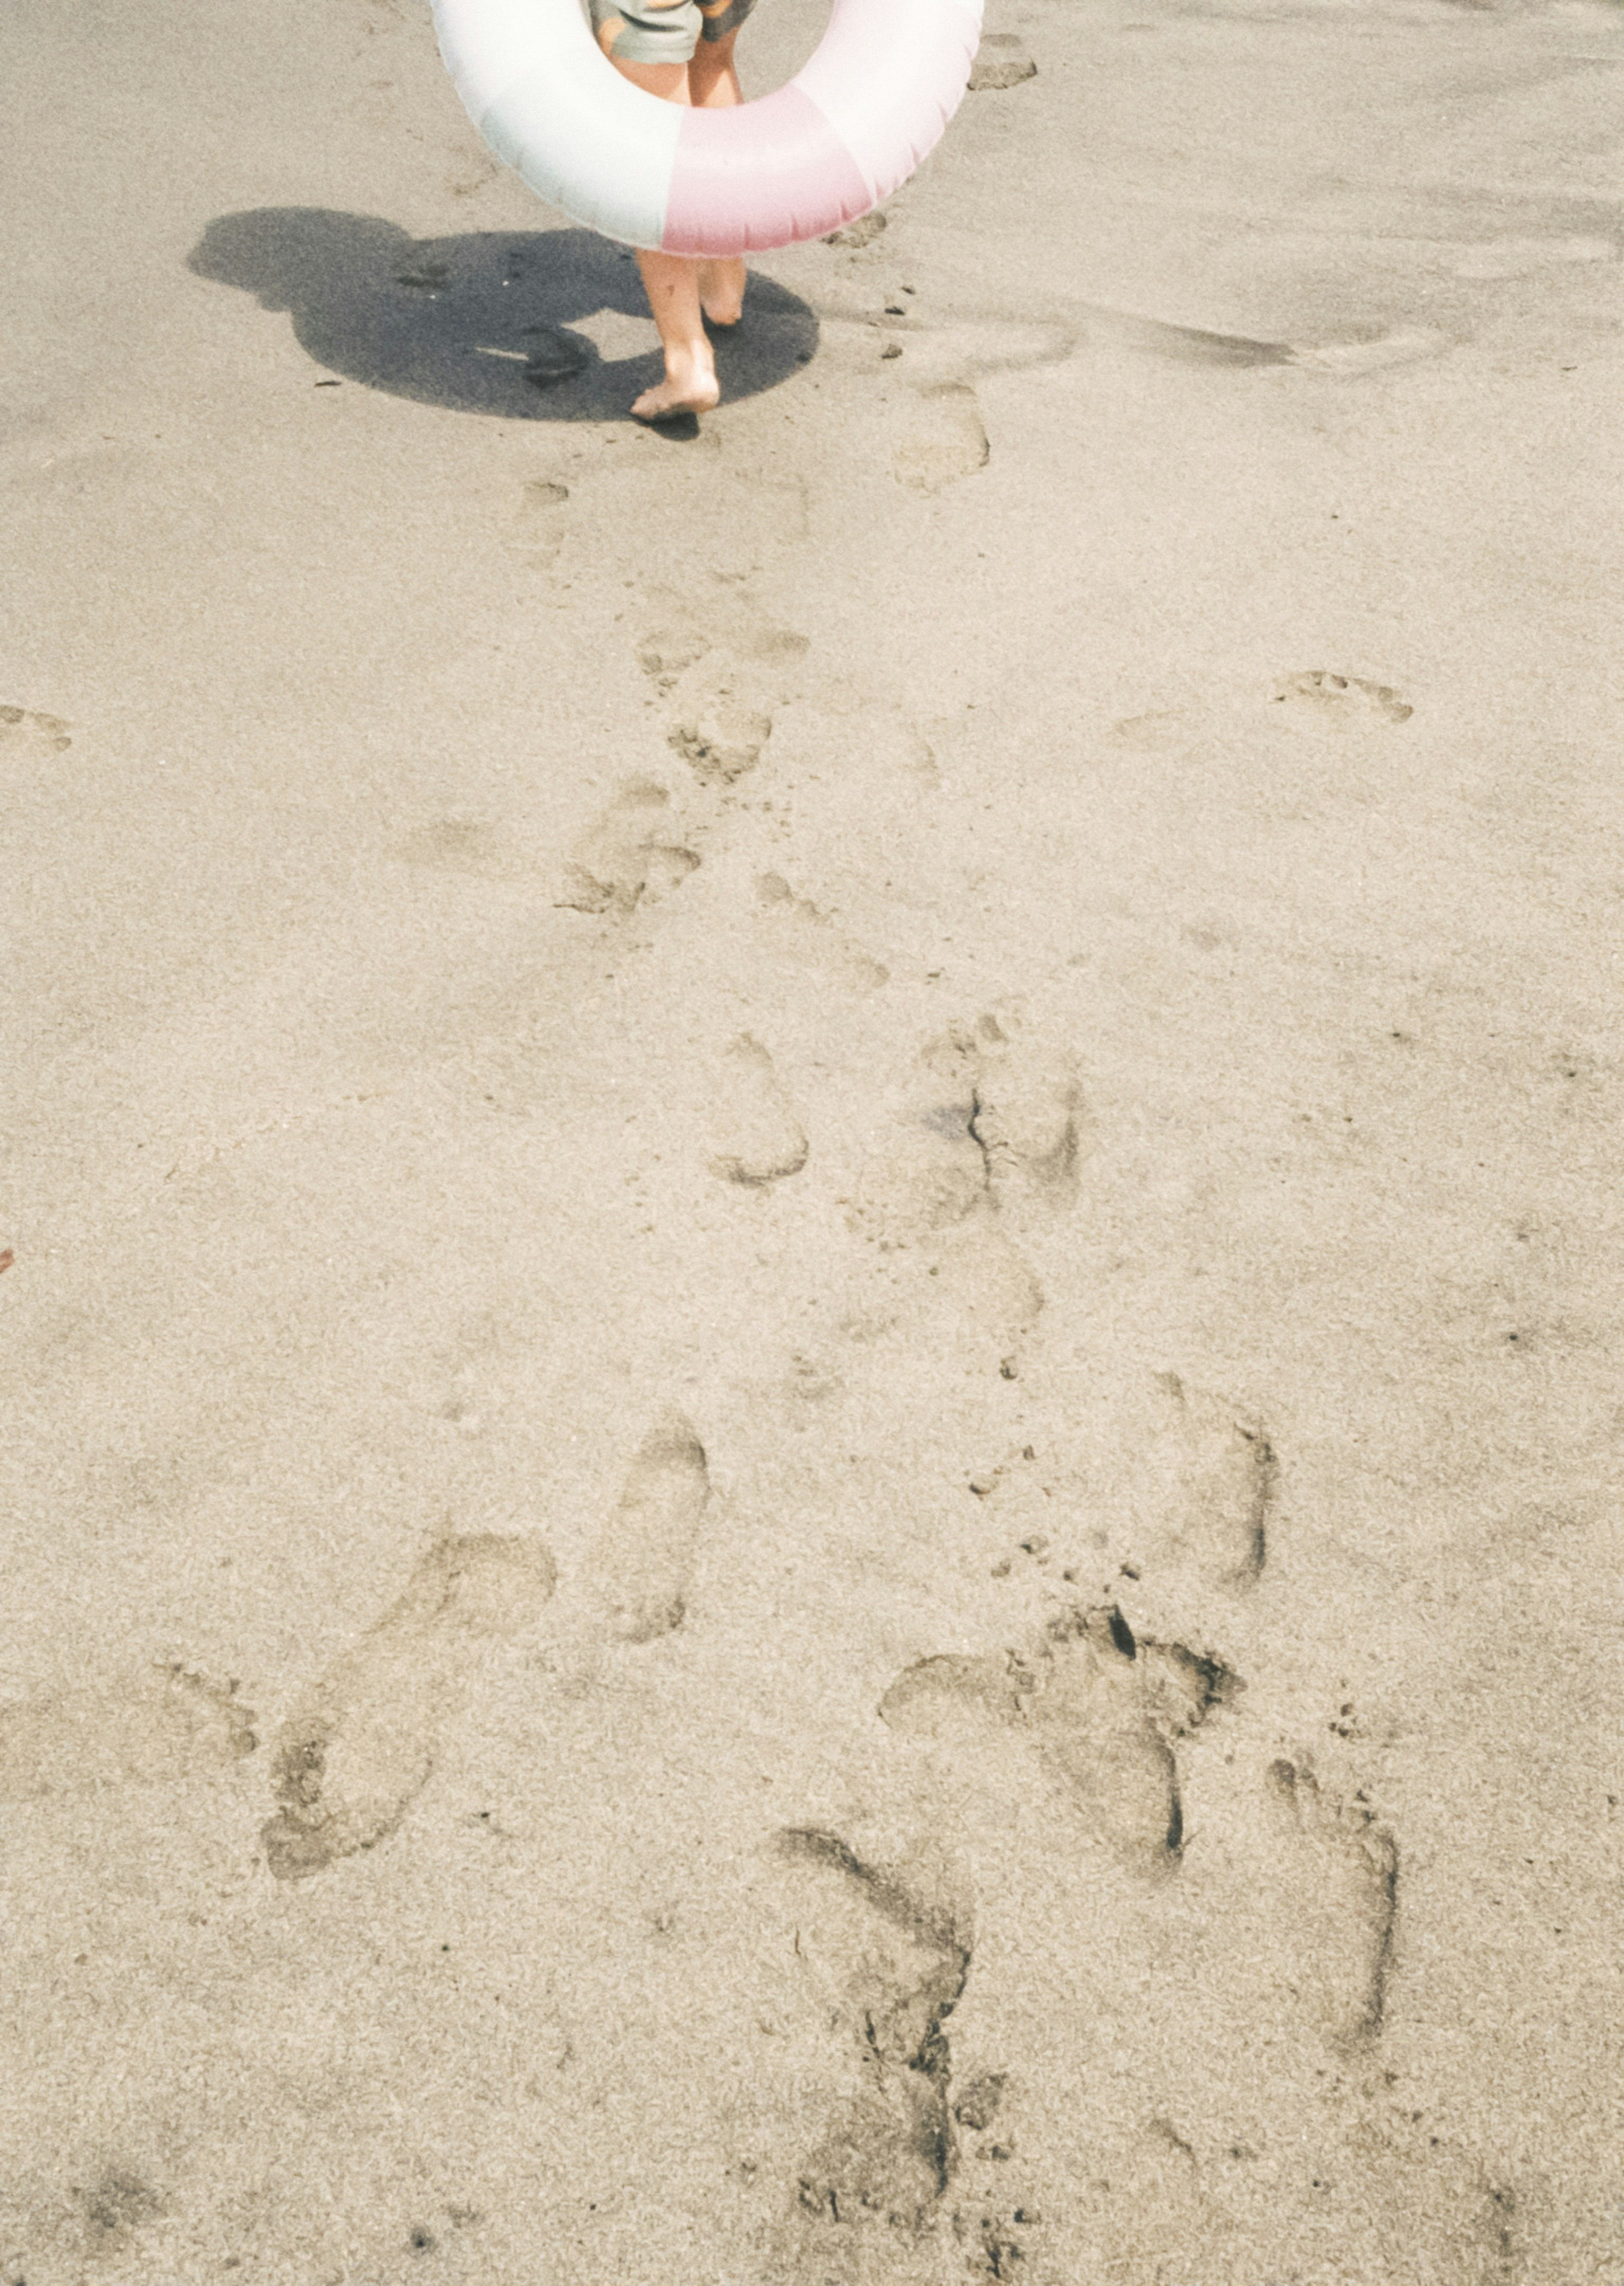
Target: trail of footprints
{"x":1101,"y":1719}
{"x":352,"y":1758}
{"x":1100,"y":1716}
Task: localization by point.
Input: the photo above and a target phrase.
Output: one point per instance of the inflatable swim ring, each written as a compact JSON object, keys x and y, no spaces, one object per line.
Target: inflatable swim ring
{"x":847,"y":131}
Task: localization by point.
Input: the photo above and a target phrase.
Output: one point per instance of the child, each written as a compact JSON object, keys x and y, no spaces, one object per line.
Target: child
{"x":682,"y":50}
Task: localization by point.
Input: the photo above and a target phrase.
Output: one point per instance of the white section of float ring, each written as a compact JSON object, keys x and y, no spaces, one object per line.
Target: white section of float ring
{"x":887,"y":76}
{"x":549,"y":104}
{"x":609,"y":164}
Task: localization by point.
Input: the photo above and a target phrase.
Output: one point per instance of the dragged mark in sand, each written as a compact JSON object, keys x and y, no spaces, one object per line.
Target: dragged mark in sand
{"x":1194,"y":345}
{"x":758,"y":1139}
{"x":159,"y":1728}
{"x":1104,"y":1711}
{"x":1374,"y":355}
{"x":24,"y":733}
{"x":1336,"y":1919}
{"x":643,"y":1564}
{"x":1340,"y":701}
{"x":632,"y":851}
{"x":898,"y":1964}
{"x":815,"y":939}
{"x":349,"y":1763}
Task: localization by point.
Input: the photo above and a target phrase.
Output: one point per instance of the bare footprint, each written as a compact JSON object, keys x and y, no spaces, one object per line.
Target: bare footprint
{"x":159,"y":1728}
{"x":985,"y":1122}
{"x":736,"y":625}
{"x":856,"y":235}
{"x":451,"y":845}
{"x":1002,"y":61}
{"x":758,"y":1138}
{"x":642,"y":1566}
{"x":1334,"y":1886}
{"x":634,"y":850}
{"x":890,"y":1963}
{"x":1201,"y":1481}
{"x":1103,"y":1711}
{"x":1030,"y":1119}
{"x":1340,"y":701}
{"x":350,"y":1760}
{"x":946,"y":439}
{"x":815,"y":940}
{"x":723,"y":739}
{"x":22,"y":732}
{"x":538,"y":526}
{"x":725,"y":669}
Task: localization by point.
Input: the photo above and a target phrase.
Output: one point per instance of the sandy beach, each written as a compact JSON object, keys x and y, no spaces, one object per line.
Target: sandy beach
{"x":812,"y":1233}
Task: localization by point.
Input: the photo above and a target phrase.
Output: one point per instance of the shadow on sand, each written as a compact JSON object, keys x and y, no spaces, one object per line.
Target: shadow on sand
{"x":479,"y":324}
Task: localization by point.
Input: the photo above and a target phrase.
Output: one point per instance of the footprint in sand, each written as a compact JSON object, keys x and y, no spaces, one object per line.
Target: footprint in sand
{"x":988,"y":1121}
{"x":1002,"y":61}
{"x":159,"y":1729}
{"x":815,"y":941}
{"x":724,"y":739}
{"x":1107,"y":1717}
{"x":1104,"y":1713}
{"x":355,"y":1754}
{"x":1200,"y":1480}
{"x":1340,"y":702}
{"x":453,"y":845}
{"x":642,"y":1566}
{"x":1195,"y":345}
{"x":887,"y":1961}
{"x":984,"y":1140}
{"x":22,"y":732}
{"x":539,"y":525}
{"x":1329,"y":1894}
{"x":946,"y":440}
{"x":724,"y":672}
{"x":757,"y":1138}
{"x":1058,"y":1772}
{"x":635,"y":850}
{"x":1173,"y":1485}
{"x":858,"y":235}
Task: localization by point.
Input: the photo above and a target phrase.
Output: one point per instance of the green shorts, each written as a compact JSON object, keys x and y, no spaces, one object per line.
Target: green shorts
{"x":663,"y":31}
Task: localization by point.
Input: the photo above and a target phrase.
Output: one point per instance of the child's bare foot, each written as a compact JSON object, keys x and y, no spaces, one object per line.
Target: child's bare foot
{"x":721,"y":291}
{"x":689,"y":386}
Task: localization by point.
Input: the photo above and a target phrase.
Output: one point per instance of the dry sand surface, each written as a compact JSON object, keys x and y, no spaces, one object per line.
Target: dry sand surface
{"x":812,"y":1428}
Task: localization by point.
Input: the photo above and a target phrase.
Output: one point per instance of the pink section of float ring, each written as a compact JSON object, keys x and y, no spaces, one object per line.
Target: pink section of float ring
{"x":760,"y":176}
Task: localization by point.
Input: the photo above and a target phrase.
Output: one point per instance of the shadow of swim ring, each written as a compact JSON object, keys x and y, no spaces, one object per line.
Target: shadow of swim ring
{"x":851,"y":125}
{"x":488,"y":322}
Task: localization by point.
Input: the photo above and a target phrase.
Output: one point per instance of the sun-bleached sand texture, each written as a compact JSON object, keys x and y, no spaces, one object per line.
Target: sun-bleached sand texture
{"x":810,"y":1272}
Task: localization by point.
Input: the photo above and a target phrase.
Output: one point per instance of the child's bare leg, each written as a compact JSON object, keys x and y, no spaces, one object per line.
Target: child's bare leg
{"x":672,"y":284}
{"x":713,"y":83}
